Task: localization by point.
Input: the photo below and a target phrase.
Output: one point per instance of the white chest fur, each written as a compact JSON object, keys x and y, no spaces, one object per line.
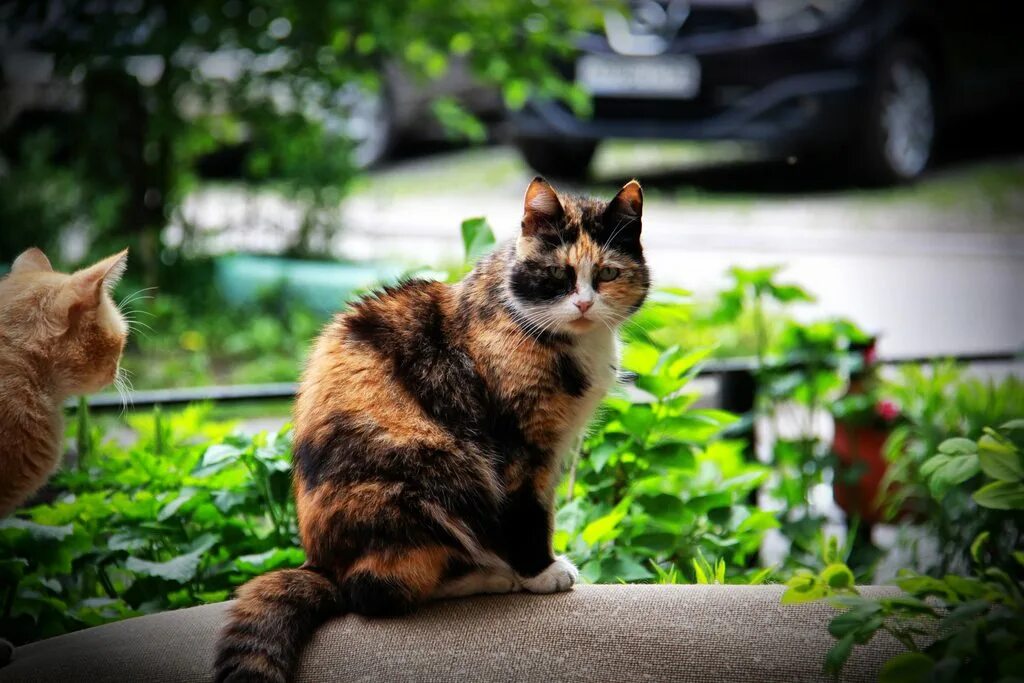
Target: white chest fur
{"x":597,"y":355}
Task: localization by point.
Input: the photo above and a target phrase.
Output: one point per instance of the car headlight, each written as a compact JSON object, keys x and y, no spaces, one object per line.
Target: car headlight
{"x":800,"y":16}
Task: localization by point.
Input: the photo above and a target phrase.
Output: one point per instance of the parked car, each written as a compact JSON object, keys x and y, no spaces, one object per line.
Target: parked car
{"x":871,"y":80}
{"x":32,"y":92}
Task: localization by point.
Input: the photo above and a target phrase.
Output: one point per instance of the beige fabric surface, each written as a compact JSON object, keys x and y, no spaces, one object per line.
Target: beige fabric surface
{"x":594,"y":633}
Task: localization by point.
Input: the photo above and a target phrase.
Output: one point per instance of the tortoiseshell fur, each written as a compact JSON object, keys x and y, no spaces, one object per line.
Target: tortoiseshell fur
{"x":430,"y":428}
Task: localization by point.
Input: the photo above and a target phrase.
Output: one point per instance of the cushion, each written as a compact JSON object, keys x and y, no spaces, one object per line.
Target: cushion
{"x":594,"y":633}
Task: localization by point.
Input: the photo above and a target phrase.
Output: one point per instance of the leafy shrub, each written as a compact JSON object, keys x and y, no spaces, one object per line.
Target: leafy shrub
{"x":938,"y":403}
{"x":181,"y":517}
{"x":955,"y":628}
{"x":656,"y":486}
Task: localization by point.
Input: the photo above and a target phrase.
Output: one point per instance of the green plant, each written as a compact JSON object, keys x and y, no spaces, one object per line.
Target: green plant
{"x":938,"y":403}
{"x":955,"y":628}
{"x":181,"y":517}
{"x":657,"y":483}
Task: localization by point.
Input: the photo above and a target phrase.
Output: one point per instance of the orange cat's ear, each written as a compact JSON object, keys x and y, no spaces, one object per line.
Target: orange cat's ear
{"x":541,"y":207}
{"x":31,"y":260}
{"x":89,"y":283}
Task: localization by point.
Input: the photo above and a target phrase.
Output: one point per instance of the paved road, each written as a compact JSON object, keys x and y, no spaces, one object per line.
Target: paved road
{"x":931,"y":278}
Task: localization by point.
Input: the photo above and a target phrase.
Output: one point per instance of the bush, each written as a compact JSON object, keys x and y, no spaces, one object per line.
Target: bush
{"x":181,"y":517}
{"x":955,"y":628}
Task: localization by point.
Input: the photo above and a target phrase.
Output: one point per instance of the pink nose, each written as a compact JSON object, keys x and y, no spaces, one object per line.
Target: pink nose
{"x":584,"y":306}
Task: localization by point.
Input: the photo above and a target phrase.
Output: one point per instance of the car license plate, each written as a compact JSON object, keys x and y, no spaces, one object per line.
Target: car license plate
{"x":675,"y":76}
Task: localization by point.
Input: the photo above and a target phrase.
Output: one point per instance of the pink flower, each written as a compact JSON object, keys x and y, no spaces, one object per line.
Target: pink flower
{"x":887,"y":409}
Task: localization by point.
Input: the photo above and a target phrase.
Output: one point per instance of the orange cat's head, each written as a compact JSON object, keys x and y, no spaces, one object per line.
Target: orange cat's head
{"x":66,"y":325}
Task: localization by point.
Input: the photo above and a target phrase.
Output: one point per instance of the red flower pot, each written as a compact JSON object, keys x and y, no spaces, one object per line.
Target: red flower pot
{"x":859,"y":447}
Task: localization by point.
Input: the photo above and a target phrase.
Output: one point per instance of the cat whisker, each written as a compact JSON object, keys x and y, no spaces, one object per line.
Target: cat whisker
{"x":134,"y":296}
{"x":624,"y":223}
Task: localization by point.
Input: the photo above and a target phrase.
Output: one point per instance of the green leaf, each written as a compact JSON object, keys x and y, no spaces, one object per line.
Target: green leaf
{"x":640,"y":357}
{"x":855,"y":621}
{"x":976,"y":546}
{"x":955,"y":470}
{"x":761,"y":576}
{"x":680,"y":365}
{"x":601,"y":454}
{"x":966,"y":612}
{"x":965,"y":587}
{"x":958,"y":446}
{"x":789,"y":293}
{"x":803,"y":588}
{"x":700,"y":575}
{"x":1002,"y":464}
{"x":664,"y":507}
{"x":216,"y":458}
{"x":269,"y":560}
{"x":1001,"y":495}
{"x":625,"y":569}
{"x":181,"y":569}
{"x":40,"y":532}
{"x":603,"y":528}
{"x":759,"y":520}
{"x":477,"y":238}
{"x":838,"y":654}
{"x":838,"y":576}
{"x":909,"y":667}
{"x":172,"y":508}
{"x":934,"y":463}
{"x":638,"y":420}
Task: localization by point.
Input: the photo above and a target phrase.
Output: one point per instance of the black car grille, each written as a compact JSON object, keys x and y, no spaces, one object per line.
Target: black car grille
{"x":632,"y":109}
{"x":703,"y":20}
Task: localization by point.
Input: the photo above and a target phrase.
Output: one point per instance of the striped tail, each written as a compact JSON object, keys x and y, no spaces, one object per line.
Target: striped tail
{"x":272,"y":619}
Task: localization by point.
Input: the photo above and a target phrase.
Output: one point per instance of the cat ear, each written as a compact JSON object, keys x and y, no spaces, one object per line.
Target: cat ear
{"x":89,"y":282}
{"x":624,"y":211}
{"x":31,"y":260}
{"x":541,"y":209}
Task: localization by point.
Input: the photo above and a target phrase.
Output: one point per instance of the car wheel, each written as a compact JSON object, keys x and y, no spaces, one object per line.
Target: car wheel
{"x":558,"y":159}
{"x":899,"y":130}
{"x":367,"y":120}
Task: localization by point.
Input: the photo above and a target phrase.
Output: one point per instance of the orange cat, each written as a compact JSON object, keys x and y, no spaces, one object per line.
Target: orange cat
{"x":60,"y":335}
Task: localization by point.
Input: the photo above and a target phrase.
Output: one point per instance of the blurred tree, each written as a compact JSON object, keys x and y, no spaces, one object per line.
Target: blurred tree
{"x":165,"y":82}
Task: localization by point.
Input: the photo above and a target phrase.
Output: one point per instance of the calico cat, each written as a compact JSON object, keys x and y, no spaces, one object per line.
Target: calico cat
{"x":60,"y":335}
{"x":431,"y":424}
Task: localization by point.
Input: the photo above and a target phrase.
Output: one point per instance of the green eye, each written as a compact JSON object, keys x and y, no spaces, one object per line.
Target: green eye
{"x":558,"y":272}
{"x":607,"y":273}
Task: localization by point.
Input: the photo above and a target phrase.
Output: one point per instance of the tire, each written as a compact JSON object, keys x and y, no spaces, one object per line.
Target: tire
{"x":897,"y":134}
{"x":558,"y":159}
{"x":366,"y":119}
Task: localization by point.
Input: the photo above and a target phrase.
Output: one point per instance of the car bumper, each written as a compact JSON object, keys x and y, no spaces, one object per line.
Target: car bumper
{"x":782,"y":89}
{"x":797,"y":108}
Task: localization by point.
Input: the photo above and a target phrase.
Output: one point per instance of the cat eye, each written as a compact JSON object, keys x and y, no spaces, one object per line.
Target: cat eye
{"x":558,"y":272}
{"x":607,"y":273}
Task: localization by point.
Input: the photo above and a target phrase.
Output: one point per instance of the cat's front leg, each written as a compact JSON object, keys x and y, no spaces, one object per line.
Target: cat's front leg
{"x":527,"y":524}
{"x":559,"y":576}
{"x":480,"y":582}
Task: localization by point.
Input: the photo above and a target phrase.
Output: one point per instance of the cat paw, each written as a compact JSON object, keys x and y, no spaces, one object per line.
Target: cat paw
{"x":479,"y":583}
{"x":559,"y":576}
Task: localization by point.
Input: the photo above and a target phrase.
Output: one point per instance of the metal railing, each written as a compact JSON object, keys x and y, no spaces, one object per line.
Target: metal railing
{"x":734,"y":370}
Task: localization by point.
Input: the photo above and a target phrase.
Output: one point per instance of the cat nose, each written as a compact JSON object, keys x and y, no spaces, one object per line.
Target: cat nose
{"x":584,"y":306}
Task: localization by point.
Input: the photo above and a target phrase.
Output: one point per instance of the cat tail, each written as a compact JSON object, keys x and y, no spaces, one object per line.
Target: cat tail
{"x":271,"y":620}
